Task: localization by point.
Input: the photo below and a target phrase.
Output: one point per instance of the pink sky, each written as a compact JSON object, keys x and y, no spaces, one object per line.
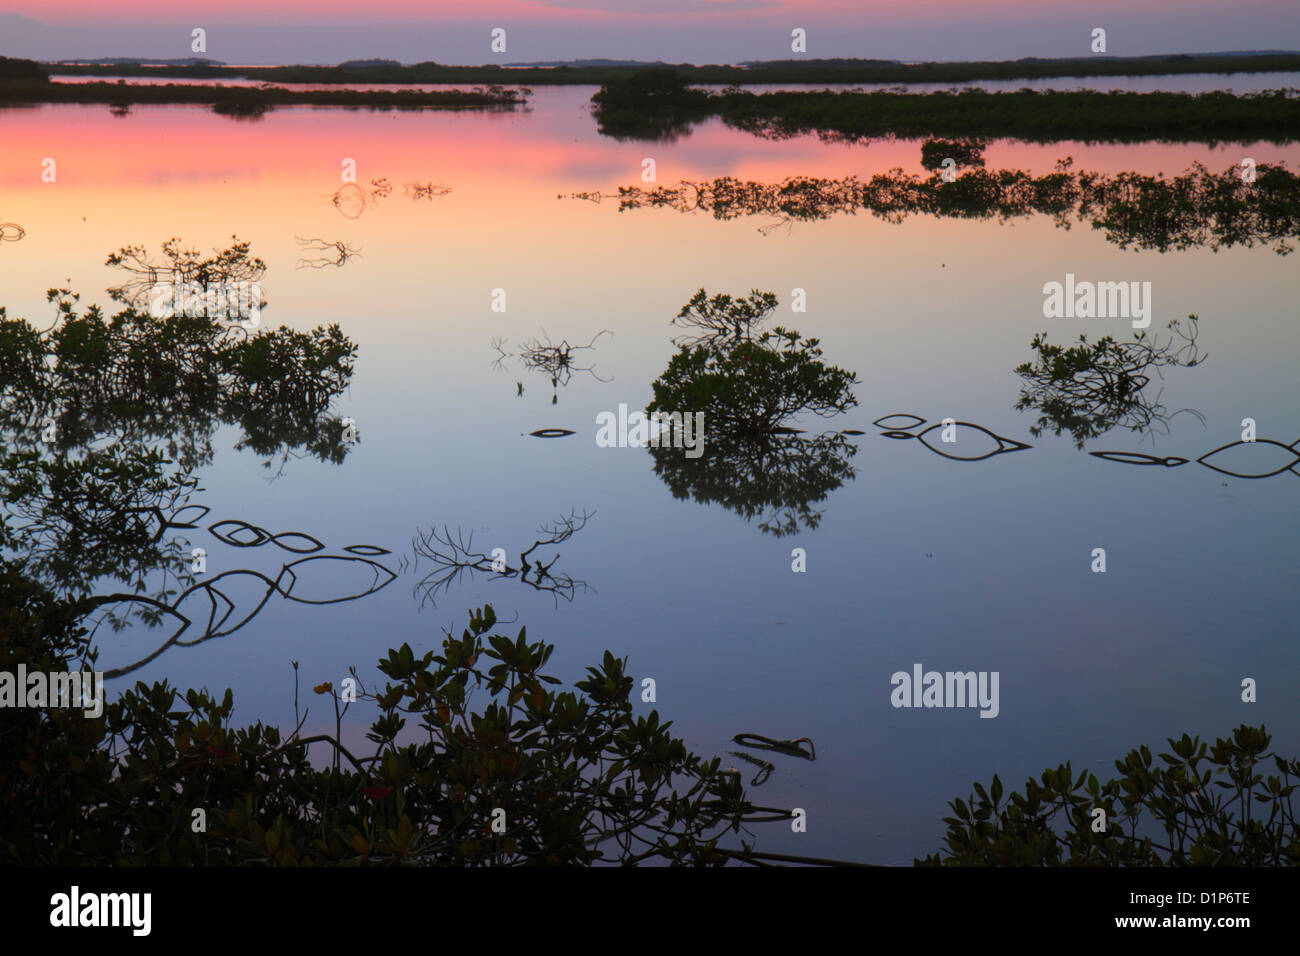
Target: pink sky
{"x":456,"y":31}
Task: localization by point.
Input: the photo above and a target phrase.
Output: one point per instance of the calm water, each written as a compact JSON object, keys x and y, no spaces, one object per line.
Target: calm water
{"x":957,"y":565}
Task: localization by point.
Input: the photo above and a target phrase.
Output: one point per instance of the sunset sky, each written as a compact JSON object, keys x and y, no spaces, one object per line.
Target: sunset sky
{"x":700,"y":31}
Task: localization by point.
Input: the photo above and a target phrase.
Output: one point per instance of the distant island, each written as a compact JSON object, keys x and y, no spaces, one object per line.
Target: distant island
{"x":28,"y":82}
{"x":140,"y":61}
{"x":659,"y":104}
{"x":572,"y":64}
{"x":598,"y":72}
{"x":368,"y":64}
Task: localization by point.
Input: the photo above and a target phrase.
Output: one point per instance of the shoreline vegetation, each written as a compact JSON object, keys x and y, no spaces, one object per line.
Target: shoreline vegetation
{"x":254,"y":101}
{"x":772,"y":71}
{"x":661,"y":105}
{"x":1034,"y":115}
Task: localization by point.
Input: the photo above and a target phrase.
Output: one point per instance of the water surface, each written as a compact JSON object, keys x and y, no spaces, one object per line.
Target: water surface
{"x":956,"y":565}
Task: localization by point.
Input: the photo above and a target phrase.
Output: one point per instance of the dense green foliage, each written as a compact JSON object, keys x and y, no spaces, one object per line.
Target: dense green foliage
{"x":749,"y":388}
{"x":568,"y":777}
{"x":1199,"y":806}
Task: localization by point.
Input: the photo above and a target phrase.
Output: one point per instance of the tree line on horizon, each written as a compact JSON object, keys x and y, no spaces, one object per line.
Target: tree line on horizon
{"x":769,"y":71}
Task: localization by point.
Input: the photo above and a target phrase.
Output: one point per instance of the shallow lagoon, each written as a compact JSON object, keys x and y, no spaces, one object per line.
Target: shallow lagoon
{"x":956,"y":565}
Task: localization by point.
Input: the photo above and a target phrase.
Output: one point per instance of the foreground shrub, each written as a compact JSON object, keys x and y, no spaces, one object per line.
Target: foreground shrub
{"x":534,"y":776}
{"x":1199,"y":806}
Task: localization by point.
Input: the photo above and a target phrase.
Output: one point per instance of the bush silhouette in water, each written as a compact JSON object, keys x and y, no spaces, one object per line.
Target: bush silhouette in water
{"x":750,"y":387}
{"x":535,"y":775}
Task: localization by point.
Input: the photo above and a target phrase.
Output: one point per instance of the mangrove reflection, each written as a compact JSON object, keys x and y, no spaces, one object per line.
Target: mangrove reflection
{"x":777,"y":479}
{"x":240,"y":112}
{"x":935,"y":153}
{"x":103,"y":422}
{"x":169,"y":383}
{"x":1195,"y":209}
{"x":222,"y":604}
{"x":558,"y":362}
{"x":429,"y":190}
{"x":722,"y":318}
{"x":181,"y":270}
{"x":453,"y":556}
{"x":1255,"y":453}
{"x":749,"y":388}
{"x":1088,"y":389}
{"x":957,"y":441}
{"x":336,"y":253}
{"x":352,"y":199}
